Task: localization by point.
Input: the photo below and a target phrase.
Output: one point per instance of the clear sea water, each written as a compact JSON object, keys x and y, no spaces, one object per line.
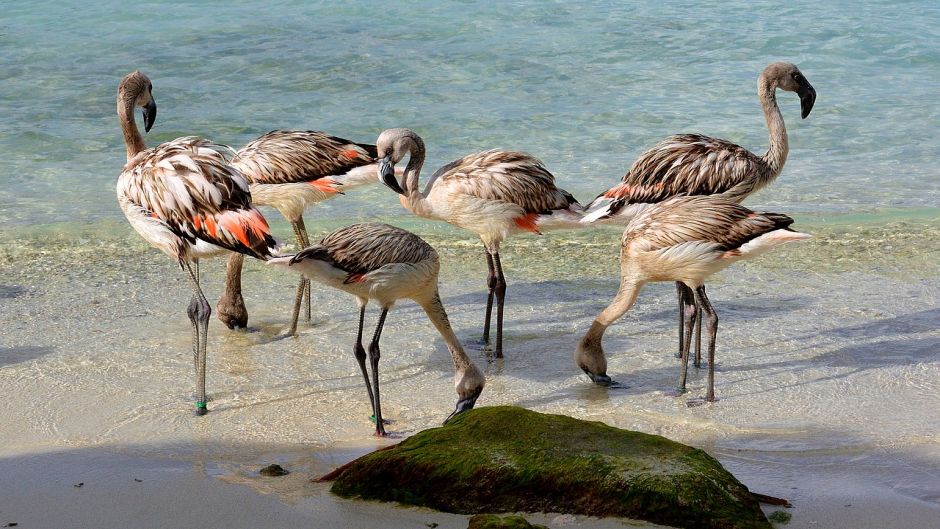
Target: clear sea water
{"x":829,"y":348}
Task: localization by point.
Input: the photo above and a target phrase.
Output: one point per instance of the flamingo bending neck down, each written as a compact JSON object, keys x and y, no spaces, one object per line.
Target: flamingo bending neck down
{"x":185,"y":199}
{"x":492,"y":193}
{"x":684,"y":239}
{"x":693,"y":164}
{"x":290,"y":170}
{"x":384,"y":263}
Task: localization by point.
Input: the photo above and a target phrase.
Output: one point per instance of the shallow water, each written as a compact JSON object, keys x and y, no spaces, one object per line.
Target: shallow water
{"x":828,"y":350}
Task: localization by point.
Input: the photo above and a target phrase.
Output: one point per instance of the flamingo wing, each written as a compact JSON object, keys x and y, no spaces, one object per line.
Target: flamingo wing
{"x":189,"y":185}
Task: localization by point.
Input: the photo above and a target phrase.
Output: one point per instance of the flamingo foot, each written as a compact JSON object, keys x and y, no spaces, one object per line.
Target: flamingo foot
{"x":384,"y":421}
{"x":201,"y":409}
{"x":604,"y":380}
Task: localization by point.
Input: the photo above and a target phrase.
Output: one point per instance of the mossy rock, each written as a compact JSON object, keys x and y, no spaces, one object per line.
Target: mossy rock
{"x":508,"y":459}
{"x":491,"y":521}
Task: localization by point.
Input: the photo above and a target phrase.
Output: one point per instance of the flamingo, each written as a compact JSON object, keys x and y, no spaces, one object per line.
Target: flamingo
{"x":684,"y":239}
{"x":693,"y":164}
{"x":290,"y":170}
{"x":186,"y":200}
{"x":385,"y":263}
{"x":492,"y":193}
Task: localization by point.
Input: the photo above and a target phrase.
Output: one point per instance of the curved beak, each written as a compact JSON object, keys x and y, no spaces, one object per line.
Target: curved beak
{"x":807,"y":98}
{"x":464,"y":405}
{"x":150,"y":114}
{"x":387,"y":177}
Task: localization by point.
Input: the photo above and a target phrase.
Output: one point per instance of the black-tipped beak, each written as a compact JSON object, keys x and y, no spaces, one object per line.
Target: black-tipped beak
{"x":387,"y":176}
{"x":150,"y":114}
{"x":464,"y":405}
{"x":807,"y":98}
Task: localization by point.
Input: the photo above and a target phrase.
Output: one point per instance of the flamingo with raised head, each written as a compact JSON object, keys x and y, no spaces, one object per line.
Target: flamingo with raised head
{"x":693,"y":164}
{"x":185,"y":199}
{"x":385,"y":263}
{"x":684,"y":239}
{"x":492,"y":193}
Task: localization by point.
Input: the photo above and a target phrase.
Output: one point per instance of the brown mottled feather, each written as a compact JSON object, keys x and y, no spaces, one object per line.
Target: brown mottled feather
{"x":690,"y":164}
{"x":287,"y":156}
{"x":508,"y":176}
{"x":711,"y":219}
{"x":362,"y":248}
{"x":190,"y":177}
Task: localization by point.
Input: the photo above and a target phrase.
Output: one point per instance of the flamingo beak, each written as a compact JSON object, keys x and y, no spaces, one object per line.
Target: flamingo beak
{"x":150,"y":114}
{"x":387,"y":174}
{"x":807,"y":97}
{"x":464,"y":405}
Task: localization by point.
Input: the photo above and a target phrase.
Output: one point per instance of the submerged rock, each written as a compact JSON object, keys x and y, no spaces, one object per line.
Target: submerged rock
{"x":508,"y":459}
{"x":491,"y":521}
{"x":273,"y":470}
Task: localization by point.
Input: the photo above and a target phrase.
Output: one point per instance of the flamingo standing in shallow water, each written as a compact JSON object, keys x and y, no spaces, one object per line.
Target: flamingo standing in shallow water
{"x":692,"y":164}
{"x":290,"y":170}
{"x":684,"y":239}
{"x":184,"y":199}
{"x":381,"y":262}
{"x":492,"y":193}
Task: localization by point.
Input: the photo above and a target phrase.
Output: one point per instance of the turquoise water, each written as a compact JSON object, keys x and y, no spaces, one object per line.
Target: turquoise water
{"x":586,"y":87}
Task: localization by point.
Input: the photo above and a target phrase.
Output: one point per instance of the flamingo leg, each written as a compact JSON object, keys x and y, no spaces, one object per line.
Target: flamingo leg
{"x":231,"y":307}
{"x":698,"y":331}
{"x":702,"y":300}
{"x":199,"y":311}
{"x":306,"y":243}
{"x":500,"y":291}
{"x":374,"y":355}
{"x":360,"y":353}
{"x":303,"y":288}
{"x":680,"y":294}
{"x":689,"y":316}
{"x":490,"y":285}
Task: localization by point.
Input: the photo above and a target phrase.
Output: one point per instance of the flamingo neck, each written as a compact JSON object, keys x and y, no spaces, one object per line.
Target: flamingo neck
{"x":133,"y":141}
{"x":414,"y":200}
{"x":776,"y":154}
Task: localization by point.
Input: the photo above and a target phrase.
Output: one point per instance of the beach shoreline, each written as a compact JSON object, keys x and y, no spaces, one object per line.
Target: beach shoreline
{"x":117,"y":487}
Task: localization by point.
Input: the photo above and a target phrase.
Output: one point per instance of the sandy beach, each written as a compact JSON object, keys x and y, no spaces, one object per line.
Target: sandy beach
{"x":834,"y":410}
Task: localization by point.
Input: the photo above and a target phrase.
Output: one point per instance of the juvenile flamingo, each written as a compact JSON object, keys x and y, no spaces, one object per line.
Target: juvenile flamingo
{"x":384,"y":263}
{"x":492,"y":193}
{"x":692,"y":164}
{"x":184,"y":199}
{"x":290,"y":170}
{"x":684,"y":239}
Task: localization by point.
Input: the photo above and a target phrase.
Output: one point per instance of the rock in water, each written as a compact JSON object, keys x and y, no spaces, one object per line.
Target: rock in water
{"x":491,"y":521}
{"x":508,"y":459}
{"x":273,"y":470}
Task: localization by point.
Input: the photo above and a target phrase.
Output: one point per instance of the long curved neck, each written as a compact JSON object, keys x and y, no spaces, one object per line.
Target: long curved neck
{"x":133,"y":141}
{"x":438,"y":316}
{"x":776,"y":154}
{"x":417,"y":202}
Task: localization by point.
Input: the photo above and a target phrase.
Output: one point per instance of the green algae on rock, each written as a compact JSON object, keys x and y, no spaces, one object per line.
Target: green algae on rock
{"x":508,"y":459}
{"x":491,"y":521}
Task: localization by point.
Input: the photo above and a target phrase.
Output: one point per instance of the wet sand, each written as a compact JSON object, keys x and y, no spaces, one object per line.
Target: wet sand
{"x":828,"y":377}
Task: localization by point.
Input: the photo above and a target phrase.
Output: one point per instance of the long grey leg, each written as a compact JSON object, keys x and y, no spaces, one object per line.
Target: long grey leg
{"x":490,"y":285}
{"x":199,"y":312}
{"x":374,"y":355}
{"x":689,"y":317}
{"x":306,"y":243}
{"x":680,"y":294}
{"x":702,"y":300}
{"x":304,"y":285}
{"x":500,"y":291}
{"x":698,"y":331}
{"x":360,"y":353}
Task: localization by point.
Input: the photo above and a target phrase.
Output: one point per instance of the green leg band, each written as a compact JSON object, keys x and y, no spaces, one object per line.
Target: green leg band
{"x":201,"y":404}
